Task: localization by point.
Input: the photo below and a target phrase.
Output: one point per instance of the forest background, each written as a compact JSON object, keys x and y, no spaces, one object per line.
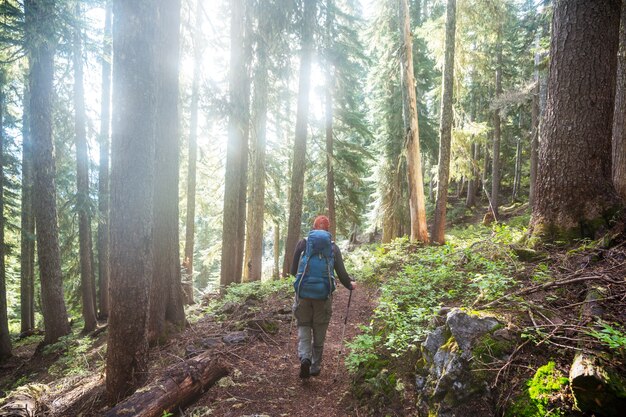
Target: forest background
{"x":237,"y":142}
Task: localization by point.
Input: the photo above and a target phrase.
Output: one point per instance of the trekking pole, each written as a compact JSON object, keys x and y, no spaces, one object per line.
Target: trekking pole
{"x":343,"y":333}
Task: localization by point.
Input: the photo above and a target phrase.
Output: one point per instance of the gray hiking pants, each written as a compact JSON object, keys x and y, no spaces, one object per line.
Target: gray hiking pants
{"x":313,"y":317}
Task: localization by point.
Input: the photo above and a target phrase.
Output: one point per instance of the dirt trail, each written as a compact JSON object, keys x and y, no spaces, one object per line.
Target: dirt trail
{"x":265,"y":378}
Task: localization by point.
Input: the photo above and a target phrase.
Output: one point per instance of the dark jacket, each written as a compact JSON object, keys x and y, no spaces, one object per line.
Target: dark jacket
{"x":340,"y":269}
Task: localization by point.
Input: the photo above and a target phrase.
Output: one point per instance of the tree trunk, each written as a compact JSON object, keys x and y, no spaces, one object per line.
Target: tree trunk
{"x":41,"y":41}
{"x":497,"y":134}
{"x":182,"y":383}
{"x":190,"y":220}
{"x":518,"y":169}
{"x":231,"y":257}
{"x":534,"y":135}
{"x":445,"y":129}
{"x":166,"y":292}
{"x":27,"y":229}
{"x":103,"y":173}
{"x":276,"y":273}
{"x":5,"y":339}
{"x":299,"y":147}
{"x":253,"y":270}
{"x":83,"y":202}
{"x":619,"y":115}
{"x":132,"y":192}
{"x":472,"y":185}
{"x":417,"y":206}
{"x":330,"y":171}
{"x":575,"y":196}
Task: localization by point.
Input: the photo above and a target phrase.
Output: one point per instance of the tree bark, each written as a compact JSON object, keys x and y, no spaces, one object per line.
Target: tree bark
{"x":132,"y":192}
{"x":417,"y":205}
{"x":518,"y":169}
{"x":83,"y":202}
{"x":166,"y":299}
{"x":190,"y":219}
{"x":41,"y":41}
{"x":27,"y":229}
{"x":575,"y":196}
{"x":231,"y":256}
{"x":276,"y":273}
{"x":103,"y":172}
{"x":5,"y":339}
{"x":472,"y":185}
{"x":619,"y":115}
{"x":534,"y":135}
{"x":182,"y":383}
{"x":253,"y":259}
{"x":299,"y":147}
{"x":445,"y":129}
{"x":330,"y":171}
{"x":497,"y":133}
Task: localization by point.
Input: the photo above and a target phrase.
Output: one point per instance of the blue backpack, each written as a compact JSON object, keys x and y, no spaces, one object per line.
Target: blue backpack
{"x":315,"y":272}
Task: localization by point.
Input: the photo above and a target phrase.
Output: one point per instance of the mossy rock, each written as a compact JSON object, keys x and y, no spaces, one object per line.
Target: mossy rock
{"x":539,"y":399}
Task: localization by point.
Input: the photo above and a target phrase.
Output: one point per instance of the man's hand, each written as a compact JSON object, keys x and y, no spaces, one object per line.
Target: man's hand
{"x":353,"y":283}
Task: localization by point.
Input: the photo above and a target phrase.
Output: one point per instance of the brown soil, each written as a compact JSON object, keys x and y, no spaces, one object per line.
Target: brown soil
{"x":265,"y":381}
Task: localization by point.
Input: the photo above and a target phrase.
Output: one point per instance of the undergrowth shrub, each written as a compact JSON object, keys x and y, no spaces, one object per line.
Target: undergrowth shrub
{"x":415,"y":282}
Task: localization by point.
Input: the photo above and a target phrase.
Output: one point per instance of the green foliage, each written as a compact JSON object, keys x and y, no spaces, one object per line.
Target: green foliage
{"x":415,"y":282}
{"x":612,"y":337}
{"x":539,"y":398}
{"x":257,"y":290}
{"x":76,"y":356}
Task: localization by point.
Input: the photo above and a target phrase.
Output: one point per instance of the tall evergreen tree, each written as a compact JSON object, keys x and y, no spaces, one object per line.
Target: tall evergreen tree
{"x":232,"y":258}
{"x":27,"y":223}
{"x":166,"y":292}
{"x":414,"y":164}
{"x":5,"y":339}
{"x":575,"y":146}
{"x":299,"y":148}
{"x":41,"y":41}
{"x":190,"y":220}
{"x":132,"y":192}
{"x":104,"y":249}
{"x":83,"y":200}
{"x":445,"y":129}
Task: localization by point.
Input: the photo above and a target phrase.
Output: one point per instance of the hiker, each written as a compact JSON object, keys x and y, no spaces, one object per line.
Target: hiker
{"x":314,"y":261}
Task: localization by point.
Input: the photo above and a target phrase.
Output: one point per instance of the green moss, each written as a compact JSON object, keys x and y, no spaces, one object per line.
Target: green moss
{"x":536,"y":400}
{"x":489,"y":348}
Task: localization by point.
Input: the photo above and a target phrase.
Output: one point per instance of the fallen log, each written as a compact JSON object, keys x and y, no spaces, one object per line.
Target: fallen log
{"x":178,"y":387}
{"x":25,"y":402}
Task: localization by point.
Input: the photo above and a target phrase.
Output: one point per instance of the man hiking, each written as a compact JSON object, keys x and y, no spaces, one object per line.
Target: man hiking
{"x":314,"y":261}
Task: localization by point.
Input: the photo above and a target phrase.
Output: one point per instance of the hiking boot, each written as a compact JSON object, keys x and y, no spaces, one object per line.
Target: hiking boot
{"x":315,"y":371}
{"x":305,"y":368}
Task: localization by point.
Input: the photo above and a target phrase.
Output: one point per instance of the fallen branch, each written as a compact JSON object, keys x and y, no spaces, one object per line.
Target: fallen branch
{"x":182,"y":383}
{"x":546,"y":286}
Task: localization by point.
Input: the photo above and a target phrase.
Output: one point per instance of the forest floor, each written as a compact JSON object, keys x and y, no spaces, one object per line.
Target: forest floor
{"x":260,"y":352}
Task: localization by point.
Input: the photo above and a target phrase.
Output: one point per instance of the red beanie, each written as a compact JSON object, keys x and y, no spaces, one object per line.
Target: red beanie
{"x":321,"y":223}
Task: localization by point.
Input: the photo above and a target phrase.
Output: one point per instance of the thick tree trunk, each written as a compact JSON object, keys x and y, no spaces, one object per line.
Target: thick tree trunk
{"x":253,"y":259}
{"x":41,"y":41}
{"x":182,"y":383}
{"x":5,"y":339}
{"x":232,"y":217}
{"x":497,"y":134}
{"x":299,"y":147}
{"x":103,"y":173}
{"x":83,"y":202}
{"x":330,"y":171}
{"x":132,"y":193}
{"x":445,"y":128}
{"x":27,"y":229}
{"x":619,"y":115}
{"x":575,"y":196}
{"x":190,"y":219}
{"x":417,"y":206}
{"x":534,"y":135}
{"x":166,"y":292}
